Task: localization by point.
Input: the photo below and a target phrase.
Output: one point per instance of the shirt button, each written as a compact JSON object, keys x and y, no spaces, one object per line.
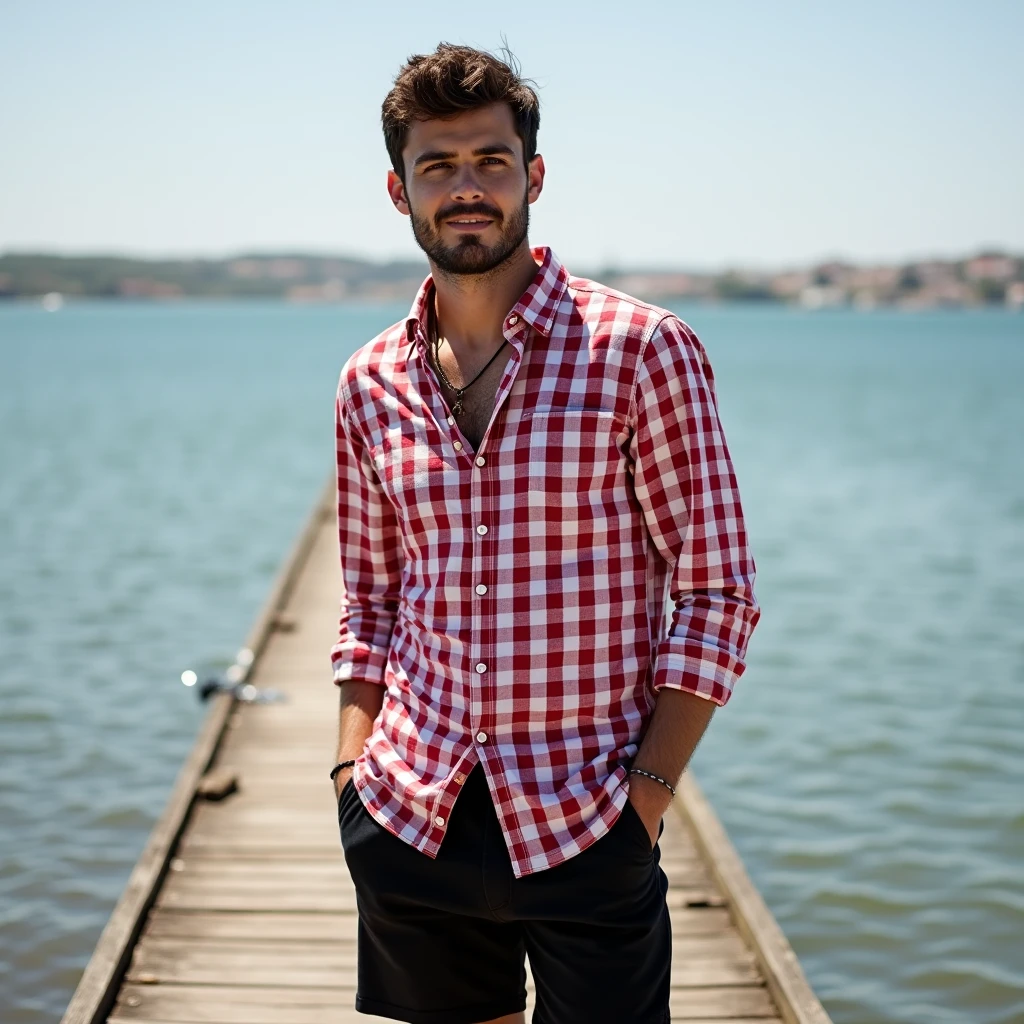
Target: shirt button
{"x":513,"y":320}
{"x":481,"y":589}
{"x":451,"y":420}
{"x":481,"y":530}
{"x":481,"y":737}
{"x":439,"y":821}
{"x":457,"y":446}
{"x":481,"y":667}
{"x":460,"y":778}
{"x":480,"y":460}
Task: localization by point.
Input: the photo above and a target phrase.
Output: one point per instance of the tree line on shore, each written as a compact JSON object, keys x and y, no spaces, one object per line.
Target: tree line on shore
{"x":986,"y":278}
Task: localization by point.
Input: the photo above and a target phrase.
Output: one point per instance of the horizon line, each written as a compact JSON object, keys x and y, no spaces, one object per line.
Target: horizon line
{"x":606,"y":264}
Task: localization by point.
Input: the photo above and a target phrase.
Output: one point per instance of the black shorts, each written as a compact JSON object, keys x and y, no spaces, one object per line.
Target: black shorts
{"x":444,"y":941}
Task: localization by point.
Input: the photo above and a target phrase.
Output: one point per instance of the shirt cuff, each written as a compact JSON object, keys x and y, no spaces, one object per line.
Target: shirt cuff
{"x":360,"y":662}
{"x":706,"y":671}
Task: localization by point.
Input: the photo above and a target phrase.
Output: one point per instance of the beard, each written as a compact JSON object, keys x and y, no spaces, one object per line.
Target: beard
{"x":470,"y":255}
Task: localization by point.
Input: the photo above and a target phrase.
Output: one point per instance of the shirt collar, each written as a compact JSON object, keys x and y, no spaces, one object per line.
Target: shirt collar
{"x":538,"y":305}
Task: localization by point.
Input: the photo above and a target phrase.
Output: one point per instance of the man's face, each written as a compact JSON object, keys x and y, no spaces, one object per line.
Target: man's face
{"x":467,"y":189}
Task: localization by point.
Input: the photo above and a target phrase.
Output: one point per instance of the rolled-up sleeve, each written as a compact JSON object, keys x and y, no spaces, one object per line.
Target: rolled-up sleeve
{"x":371,"y":558}
{"x":684,"y":480}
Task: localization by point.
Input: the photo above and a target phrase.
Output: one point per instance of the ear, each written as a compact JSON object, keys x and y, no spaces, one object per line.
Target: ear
{"x":396,"y":190}
{"x":535,"y":174}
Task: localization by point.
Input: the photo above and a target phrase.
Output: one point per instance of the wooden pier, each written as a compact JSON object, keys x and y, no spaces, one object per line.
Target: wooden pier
{"x":240,"y":910}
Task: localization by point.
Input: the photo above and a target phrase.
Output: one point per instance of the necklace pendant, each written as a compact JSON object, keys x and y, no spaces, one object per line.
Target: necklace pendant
{"x":457,"y":407}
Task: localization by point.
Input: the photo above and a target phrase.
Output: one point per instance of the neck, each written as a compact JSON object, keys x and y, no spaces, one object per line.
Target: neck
{"x":471,"y":308}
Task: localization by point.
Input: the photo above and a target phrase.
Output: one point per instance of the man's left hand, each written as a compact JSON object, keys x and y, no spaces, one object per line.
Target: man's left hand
{"x":651,"y":800}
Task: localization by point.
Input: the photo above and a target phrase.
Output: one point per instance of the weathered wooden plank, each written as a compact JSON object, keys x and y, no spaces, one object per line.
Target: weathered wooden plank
{"x":313,"y":898}
{"x":253,"y":874}
{"x":350,"y":1016}
{"x":304,"y":1015}
{"x":205,"y":950}
{"x":338,"y":969}
{"x":258,"y":845}
{"x":345,"y":1015}
{"x":249,"y":845}
{"x":239,"y":816}
{"x":327,"y":863}
{"x":215,"y":1004}
{"x":267,"y":926}
{"x":718,"y":960}
{"x":208,"y":1004}
{"x":191,"y":899}
{"x":328,"y":869}
{"x":312,"y":877}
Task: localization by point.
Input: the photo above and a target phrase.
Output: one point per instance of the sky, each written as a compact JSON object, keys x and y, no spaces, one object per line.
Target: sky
{"x":678,"y":135}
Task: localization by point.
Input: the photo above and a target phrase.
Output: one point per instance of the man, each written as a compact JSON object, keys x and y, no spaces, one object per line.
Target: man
{"x":529,"y":464}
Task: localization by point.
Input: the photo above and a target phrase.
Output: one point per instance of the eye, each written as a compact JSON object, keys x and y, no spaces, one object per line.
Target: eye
{"x":434,"y":167}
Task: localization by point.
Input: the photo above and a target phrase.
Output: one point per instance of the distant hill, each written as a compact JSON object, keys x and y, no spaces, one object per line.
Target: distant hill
{"x":285,"y":275}
{"x":986,"y":279}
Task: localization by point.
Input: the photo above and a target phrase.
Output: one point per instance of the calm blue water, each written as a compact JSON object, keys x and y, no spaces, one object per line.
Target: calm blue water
{"x":156,"y":462}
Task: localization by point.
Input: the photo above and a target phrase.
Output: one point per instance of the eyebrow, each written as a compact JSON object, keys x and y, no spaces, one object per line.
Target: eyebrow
{"x":498,"y":149}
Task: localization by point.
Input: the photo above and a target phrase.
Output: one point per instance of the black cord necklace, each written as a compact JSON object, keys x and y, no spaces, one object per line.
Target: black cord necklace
{"x":459,"y":392}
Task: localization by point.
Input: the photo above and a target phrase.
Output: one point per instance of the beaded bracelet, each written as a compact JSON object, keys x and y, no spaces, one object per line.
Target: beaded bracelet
{"x":657,"y":778}
{"x":343,"y":764}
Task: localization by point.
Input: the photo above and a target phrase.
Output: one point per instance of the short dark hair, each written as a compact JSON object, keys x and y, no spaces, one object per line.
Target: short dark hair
{"x":449,"y":81}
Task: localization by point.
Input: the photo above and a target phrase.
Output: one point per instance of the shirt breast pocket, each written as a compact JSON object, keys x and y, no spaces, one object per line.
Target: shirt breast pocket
{"x":575,"y":462}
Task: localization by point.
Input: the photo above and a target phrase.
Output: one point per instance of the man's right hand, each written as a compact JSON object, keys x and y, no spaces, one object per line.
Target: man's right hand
{"x":359,"y":707}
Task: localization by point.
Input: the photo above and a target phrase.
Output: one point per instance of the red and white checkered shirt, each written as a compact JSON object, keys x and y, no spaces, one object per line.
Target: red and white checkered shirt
{"x":513,"y":600}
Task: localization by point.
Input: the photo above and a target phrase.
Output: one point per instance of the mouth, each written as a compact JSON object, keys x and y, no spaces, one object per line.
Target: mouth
{"x":476,"y":223}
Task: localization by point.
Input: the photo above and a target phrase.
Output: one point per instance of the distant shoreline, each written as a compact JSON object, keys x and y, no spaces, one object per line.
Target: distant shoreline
{"x":984,"y":280}
{"x":54,"y":302}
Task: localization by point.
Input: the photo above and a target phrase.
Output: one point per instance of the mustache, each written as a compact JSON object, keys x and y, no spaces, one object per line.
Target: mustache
{"x":465,"y":209}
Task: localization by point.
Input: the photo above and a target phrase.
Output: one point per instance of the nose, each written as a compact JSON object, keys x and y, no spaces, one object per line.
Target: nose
{"x":465,"y":187}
